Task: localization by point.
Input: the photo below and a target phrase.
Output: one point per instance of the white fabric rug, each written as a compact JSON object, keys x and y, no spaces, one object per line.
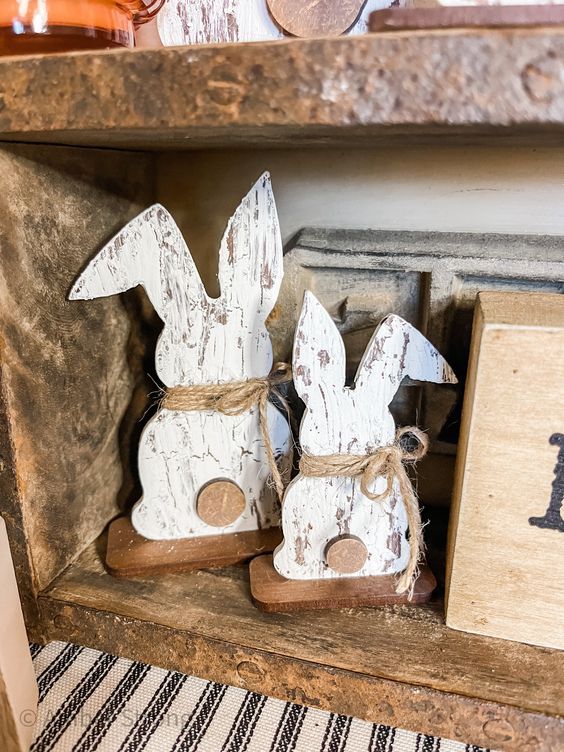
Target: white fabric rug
{"x":94,"y":701}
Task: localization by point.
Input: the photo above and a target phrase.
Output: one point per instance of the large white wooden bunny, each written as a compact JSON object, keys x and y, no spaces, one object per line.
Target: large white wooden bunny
{"x":204,"y":341}
{"x":321,"y":513}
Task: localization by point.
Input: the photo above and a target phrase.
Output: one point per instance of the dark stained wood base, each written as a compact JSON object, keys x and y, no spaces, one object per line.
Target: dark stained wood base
{"x":457,"y":17}
{"x":131,"y":555}
{"x":274,"y":594}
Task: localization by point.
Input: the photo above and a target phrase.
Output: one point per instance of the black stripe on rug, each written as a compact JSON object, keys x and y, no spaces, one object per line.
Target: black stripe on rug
{"x":55,"y":670}
{"x":112,"y":707}
{"x":244,"y":724}
{"x":289,"y":728}
{"x":35,"y":649}
{"x":73,"y":704}
{"x":189,"y":738}
{"x":381,"y":739}
{"x":153,"y":713}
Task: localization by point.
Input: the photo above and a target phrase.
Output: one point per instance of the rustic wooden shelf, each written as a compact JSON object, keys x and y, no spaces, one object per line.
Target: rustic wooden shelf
{"x":379,"y":87}
{"x":396,"y":665}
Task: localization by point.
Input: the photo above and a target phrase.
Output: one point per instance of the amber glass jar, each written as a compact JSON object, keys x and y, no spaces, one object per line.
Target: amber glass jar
{"x":35,"y":26}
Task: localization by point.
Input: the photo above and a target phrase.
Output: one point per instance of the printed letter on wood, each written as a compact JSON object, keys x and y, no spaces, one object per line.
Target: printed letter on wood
{"x":505,"y":573}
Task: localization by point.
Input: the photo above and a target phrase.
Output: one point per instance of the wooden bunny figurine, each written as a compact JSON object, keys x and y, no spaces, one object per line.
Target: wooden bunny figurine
{"x":339,"y":524}
{"x":186,"y":455}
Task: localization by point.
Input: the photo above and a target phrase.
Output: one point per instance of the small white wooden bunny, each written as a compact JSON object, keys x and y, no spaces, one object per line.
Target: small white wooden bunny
{"x":319,"y":512}
{"x":204,"y":341}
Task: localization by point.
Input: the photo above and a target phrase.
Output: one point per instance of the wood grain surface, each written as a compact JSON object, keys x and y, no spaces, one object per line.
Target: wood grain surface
{"x":65,"y":381}
{"x":506,"y":574}
{"x":130,"y":555}
{"x":398,"y":665}
{"x":220,"y":503}
{"x":462,"y":17}
{"x":275,"y":594}
{"x":319,"y":18}
{"x":377,"y":88}
{"x":346,"y":554}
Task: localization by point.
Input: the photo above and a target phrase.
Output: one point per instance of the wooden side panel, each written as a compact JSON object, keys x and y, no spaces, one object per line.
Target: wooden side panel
{"x":65,"y":384}
{"x":18,"y":688}
{"x":507,"y":536}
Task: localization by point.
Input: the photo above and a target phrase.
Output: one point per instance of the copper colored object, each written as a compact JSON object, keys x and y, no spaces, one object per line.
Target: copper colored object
{"x":318,"y":18}
{"x":221,"y":503}
{"x":31,"y":26}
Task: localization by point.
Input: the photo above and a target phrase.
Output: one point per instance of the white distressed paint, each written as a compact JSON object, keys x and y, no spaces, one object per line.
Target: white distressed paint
{"x":349,"y":420}
{"x":208,"y":21}
{"x":205,"y":21}
{"x":204,"y":340}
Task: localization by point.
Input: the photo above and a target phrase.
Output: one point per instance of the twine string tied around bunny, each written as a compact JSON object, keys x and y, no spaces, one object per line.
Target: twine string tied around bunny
{"x":387,"y":462}
{"x":236,"y":398}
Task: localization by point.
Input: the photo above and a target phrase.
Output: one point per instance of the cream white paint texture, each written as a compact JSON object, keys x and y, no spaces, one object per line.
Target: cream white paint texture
{"x":204,"y":340}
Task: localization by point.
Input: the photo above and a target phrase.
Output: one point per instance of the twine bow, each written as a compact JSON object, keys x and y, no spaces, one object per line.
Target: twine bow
{"x":236,"y":398}
{"x":388,"y":462}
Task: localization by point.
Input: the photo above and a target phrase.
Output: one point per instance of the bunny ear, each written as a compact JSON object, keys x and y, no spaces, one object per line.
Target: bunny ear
{"x":397,"y":350}
{"x":250,"y":257}
{"x":319,"y":352}
{"x":148,"y":251}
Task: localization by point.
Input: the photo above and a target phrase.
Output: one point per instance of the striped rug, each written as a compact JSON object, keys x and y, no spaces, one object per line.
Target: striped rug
{"x":94,"y":701}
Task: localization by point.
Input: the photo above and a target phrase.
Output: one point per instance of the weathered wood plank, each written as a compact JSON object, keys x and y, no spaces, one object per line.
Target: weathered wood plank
{"x":374,"y":87}
{"x":398,"y":665}
{"x":65,"y":382}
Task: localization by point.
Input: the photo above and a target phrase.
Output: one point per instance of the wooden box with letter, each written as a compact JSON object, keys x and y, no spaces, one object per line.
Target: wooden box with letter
{"x":505,"y":573}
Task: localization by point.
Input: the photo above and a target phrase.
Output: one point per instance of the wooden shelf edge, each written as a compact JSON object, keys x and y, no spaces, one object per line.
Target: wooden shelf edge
{"x":378,"y":700}
{"x":307,"y":91}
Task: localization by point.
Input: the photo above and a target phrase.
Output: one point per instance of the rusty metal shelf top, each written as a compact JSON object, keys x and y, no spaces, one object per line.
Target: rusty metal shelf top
{"x":348,"y":90}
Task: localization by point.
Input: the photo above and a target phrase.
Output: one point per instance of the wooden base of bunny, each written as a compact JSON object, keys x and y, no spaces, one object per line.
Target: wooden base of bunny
{"x":273,"y":593}
{"x":131,"y":555}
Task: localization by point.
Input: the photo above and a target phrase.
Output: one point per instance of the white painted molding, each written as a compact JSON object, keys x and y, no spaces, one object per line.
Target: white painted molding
{"x":204,"y":340}
{"x":349,"y":420}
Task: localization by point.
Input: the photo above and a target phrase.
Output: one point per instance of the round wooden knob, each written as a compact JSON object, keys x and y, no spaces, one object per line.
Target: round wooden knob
{"x":346,"y":554}
{"x":315,"y":19}
{"x":220,"y":503}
